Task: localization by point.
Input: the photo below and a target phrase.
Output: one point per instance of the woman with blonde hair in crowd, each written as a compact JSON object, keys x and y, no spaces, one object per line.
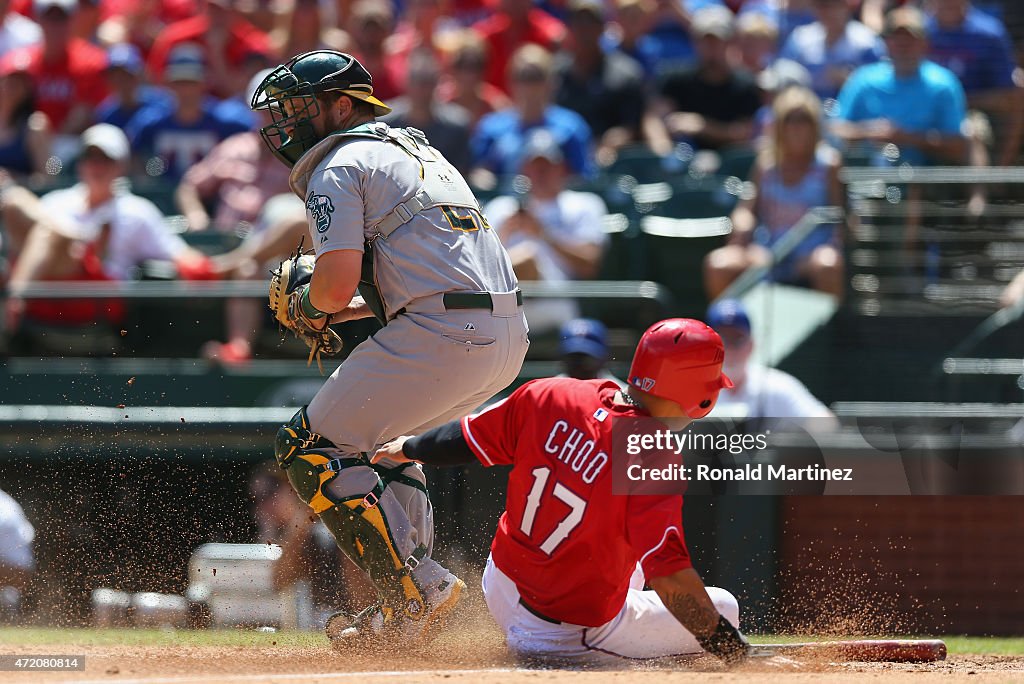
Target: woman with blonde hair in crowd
{"x":795,"y":173}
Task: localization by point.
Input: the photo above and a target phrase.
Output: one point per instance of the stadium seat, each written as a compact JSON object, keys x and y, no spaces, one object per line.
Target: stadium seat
{"x":737,"y":161}
{"x":645,"y":166}
{"x":159,"y":192}
{"x":677,"y":239}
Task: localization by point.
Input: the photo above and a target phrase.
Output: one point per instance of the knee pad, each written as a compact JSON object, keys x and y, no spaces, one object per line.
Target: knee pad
{"x":295,"y":437}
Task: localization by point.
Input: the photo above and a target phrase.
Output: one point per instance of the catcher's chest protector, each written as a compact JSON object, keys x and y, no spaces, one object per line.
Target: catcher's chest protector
{"x":442,"y":185}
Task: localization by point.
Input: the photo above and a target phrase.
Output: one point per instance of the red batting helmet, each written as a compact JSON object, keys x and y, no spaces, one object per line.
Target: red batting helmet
{"x":680,"y":359}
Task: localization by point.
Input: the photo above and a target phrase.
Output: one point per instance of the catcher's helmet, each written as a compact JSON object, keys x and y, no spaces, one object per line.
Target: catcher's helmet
{"x":680,"y":359}
{"x":289,"y":94}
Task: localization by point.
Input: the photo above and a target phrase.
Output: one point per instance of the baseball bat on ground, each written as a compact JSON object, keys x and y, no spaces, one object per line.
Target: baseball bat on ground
{"x":863,"y":650}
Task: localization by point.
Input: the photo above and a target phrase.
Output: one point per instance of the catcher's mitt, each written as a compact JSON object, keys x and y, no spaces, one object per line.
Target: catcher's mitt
{"x":287,"y":284}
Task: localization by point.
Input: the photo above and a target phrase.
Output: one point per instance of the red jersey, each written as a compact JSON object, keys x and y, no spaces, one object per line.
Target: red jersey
{"x":75,"y":78}
{"x":566,"y":541}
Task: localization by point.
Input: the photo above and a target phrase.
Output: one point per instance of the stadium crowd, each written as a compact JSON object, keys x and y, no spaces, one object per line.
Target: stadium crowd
{"x":535,"y":101}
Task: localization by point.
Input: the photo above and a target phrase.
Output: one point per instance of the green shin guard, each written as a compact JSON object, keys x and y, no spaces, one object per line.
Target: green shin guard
{"x":358,"y":523}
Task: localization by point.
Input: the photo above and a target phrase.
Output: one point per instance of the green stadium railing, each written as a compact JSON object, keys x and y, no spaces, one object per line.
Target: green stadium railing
{"x":581,"y":289}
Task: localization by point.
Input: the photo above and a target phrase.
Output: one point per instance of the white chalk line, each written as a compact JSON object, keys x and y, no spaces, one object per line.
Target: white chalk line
{"x":286,"y":676}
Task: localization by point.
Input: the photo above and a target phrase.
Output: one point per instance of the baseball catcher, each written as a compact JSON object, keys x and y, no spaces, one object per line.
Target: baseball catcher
{"x":389,"y":217}
{"x":562,"y":579}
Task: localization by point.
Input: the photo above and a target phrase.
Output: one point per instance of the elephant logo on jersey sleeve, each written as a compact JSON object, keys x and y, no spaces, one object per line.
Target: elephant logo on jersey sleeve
{"x":320,"y":208}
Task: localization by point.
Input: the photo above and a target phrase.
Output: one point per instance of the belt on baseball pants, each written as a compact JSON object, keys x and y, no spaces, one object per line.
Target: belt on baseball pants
{"x":492,"y":301}
{"x":537,"y":613}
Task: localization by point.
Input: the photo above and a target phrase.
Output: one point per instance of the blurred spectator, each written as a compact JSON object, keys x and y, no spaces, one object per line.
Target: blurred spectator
{"x":371,"y":23}
{"x":552,"y":234}
{"x":873,"y":12}
{"x":423,"y":27}
{"x":782,"y":74}
{"x":279,"y":226}
{"x":605,"y":88}
{"x":516,"y":23}
{"x":629,"y":33}
{"x":17,"y":560}
{"x":140,"y":22}
{"x":787,"y":15}
{"x":172,"y":141}
{"x":670,"y":34}
{"x":758,"y":391}
{"x":710,"y":104}
{"x":226,"y":39}
{"x":976,"y":47}
{"x":247,"y":188}
{"x":796,"y":174}
{"x":24,"y":132}
{"x":236,"y":179}
{"x":308,"y":552}
{"x":67,"y":71}
{"x":833,"y":46}
{"x":1014,"y":292}
{"x":498,"y":141}
{"x":915,"y":104}
{"x":444,"y":124}
{"x":129,"y":94}
{"x":466,"y":87}
{"x":237,"y":108}
{"x":16,"y":30}
{"x":583,"y":349}
{"x":303,"y":29}
{"x":94,"y":230}
{"x":86,"y":21}
{"x":757,"y":38}
{"x":264,"y":14}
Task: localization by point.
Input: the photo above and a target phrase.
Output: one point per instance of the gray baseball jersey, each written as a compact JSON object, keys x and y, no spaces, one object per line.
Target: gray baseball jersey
{"x":428,"y":365}
{"x":359,"y":181}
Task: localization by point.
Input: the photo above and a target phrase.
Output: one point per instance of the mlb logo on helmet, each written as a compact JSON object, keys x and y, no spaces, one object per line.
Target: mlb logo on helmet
{"x":643,"y":383}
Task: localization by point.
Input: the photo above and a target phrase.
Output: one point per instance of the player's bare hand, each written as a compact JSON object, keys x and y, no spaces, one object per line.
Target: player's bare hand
{"x":392,"y":451}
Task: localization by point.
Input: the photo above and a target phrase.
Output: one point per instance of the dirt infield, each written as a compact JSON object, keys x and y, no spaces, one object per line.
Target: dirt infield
{"x":471,"y":652}
{"x":167,"y":665}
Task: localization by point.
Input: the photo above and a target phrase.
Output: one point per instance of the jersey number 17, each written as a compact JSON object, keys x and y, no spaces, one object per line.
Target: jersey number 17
{"x":577,"y":507}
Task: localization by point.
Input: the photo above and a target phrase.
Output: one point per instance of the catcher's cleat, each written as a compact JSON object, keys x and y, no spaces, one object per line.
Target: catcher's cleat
{"x":376,"y":625}
{"x":441,"y":601}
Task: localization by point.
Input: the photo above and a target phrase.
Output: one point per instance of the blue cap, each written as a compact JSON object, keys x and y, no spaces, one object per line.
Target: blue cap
{"x":728,"y":313}
{"x":584,"y":336}
{"x":124,"y":56}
